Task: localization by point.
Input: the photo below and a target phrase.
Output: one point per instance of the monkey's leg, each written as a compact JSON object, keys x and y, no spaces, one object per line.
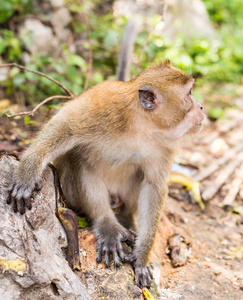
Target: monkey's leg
{"x":109,"y":232}
{"x":127,"y":202}
{"x":126,"y":219}
{"x":149,"y":209}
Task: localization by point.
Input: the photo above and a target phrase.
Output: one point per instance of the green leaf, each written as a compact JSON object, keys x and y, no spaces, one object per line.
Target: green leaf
{"x":72,"y":73}
{"x":216,"y":112}
{"x":60,"y":67}
{"x":6,"y":10}
{"x":3,"y":45}
{"x":98,"y":77}
{"x":82,"y":223}
{"x":28,"y":121}
{"x":55,"y":106}
{"x":76,"y":60}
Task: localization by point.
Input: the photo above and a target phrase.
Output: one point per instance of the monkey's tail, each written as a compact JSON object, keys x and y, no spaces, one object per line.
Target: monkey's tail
{"x":129,"y":36}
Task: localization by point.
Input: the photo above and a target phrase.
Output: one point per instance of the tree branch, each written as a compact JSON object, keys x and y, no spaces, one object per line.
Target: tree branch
{"x":39,"y":73}
{"x":32,"y":112}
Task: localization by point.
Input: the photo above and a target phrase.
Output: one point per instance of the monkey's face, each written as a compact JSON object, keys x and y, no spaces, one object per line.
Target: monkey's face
{"x":174,"y":110}
{"x":191,"y":123}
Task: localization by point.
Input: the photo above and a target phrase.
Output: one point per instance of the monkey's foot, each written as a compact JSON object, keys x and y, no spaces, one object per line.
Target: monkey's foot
{"x":109,"y":240}
{"x":20,"y":195}
{"x":143,"y":274}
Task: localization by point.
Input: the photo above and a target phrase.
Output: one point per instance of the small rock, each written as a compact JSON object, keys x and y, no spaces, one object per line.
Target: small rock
{"x":60,"y":19}
{"x":38,"y":37}
{"x":57,"y":3}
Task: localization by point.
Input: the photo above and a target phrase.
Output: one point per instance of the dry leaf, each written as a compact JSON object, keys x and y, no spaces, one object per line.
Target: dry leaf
{"x":190,"y":184}
{"x":147,"y":294}
{"x":70,"y":223}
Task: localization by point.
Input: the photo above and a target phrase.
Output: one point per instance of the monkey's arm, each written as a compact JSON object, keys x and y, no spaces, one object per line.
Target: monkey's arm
{"x":55,"y":139}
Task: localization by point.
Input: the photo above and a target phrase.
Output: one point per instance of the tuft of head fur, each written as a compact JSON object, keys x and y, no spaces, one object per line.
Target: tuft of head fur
{"x":163,"y":71}
{"x":161,"y":64}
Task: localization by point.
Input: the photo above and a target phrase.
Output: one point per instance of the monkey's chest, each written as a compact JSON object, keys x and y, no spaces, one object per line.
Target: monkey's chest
{"x":120,"y":180}
{"x":120,"y":159}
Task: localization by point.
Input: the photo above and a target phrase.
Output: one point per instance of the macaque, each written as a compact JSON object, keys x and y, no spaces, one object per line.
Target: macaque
{"x":115,"y":143}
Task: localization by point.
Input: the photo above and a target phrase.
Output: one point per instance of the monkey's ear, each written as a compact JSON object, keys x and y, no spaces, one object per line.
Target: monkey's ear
{"x":147,"y":98}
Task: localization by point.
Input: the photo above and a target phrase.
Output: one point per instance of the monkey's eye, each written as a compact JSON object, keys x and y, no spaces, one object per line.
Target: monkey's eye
{"x":190,"y":93}
{"x":188,"y":104}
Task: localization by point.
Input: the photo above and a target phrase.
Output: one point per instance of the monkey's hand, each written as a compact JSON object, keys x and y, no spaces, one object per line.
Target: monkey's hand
{"x":143,"y":274}
{"x":109,"y":240}
{"x":23,"y":185}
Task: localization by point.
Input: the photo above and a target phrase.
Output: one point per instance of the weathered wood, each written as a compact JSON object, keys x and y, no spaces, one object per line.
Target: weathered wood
{"x":35,"y":238}
{"x":218,"y":163}
{"x":234,"y":187}
{"x":224,"y":174}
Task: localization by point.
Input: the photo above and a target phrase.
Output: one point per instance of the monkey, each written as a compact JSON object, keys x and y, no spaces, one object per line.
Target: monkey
{"x":116,"y":138}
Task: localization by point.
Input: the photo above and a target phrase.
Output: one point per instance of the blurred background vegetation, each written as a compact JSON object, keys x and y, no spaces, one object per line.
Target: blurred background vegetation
{"x":216,"y":62}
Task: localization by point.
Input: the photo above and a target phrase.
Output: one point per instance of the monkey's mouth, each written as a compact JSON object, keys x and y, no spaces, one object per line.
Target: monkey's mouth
{"x":198,"y":124}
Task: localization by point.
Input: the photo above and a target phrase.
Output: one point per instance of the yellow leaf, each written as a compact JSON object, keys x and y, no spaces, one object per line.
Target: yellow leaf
{"x":190,"y":184}
{"x":147,"y":294}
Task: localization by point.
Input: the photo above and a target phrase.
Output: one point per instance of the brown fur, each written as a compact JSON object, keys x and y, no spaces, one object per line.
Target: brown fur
{"x":113,"y":140}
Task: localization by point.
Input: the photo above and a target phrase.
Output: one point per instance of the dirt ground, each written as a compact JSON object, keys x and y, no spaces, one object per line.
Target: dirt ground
{"x":214,"y":269}
{"x":212,"y":272}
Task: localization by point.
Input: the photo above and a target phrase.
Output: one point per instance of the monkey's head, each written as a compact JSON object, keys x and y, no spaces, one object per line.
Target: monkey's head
{"x":165,"y":94}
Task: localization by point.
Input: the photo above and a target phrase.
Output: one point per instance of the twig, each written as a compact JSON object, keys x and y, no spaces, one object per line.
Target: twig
{"x":39,"y":73}
{"x":32,"y":112}
{"x":222,"y":177}
{"x":221,"y":161}
{"x":234,"y":187}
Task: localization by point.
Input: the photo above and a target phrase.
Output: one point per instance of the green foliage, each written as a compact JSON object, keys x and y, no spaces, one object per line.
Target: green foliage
{"x":11,"y":44}
{"x":225,"y":12}
{"x":27,"y":121}
{"x":69,"y":68}
{"x":215,"y":113}
{"x":82,"y":223}
{"x":219,"y":58}
{"x":213,"y":61}
{"x":9,"y":7}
